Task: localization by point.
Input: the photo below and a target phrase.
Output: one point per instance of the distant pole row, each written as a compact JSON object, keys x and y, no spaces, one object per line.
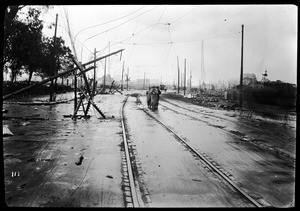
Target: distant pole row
{"x":184,"y":77}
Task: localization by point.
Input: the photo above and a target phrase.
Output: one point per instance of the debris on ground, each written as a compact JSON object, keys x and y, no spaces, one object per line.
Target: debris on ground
{"x":25,"y":123}
{"x":79,"y":161}
{"x":109,"y":176}
{"x":6,"y":131}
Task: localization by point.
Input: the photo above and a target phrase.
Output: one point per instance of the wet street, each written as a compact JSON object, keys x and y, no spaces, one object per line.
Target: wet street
{"x":52,"y":160}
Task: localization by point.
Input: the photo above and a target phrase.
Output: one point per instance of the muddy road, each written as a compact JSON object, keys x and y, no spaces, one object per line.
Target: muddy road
{"x":53,"y":161}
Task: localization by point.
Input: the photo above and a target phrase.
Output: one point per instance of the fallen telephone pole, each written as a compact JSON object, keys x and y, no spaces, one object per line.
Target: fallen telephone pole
{"x":59,"y":75}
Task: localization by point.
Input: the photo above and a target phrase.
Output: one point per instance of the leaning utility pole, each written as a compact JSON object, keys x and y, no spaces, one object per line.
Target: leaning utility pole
{"x":73,"y":70}
{"x":178,"y":75}
{"x":54,"y":65}
{"x":241,"y":76}
{"x":184,"y":86}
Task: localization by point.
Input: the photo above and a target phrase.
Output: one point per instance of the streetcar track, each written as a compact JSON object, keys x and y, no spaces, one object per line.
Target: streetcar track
{"x":213,"y":165}
{"x":134,"y":196}
{"x":214,"y":116}
{"x":237,"y":134}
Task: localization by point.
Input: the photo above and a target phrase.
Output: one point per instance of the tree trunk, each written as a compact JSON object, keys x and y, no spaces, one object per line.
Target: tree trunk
{"x":30,"y":76}
{"x":12,"y":78}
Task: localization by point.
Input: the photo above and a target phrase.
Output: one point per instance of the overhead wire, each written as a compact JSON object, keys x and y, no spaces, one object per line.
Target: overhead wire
{"x":170,"y":40}
{"x":64,"y":27}
{"x":187,"y":41}
{"x":185,"y":15}
{"x":154,"y":24}
{"x":120,"y":24}
{"x":130,"y":38}
{"x":108,"y":21}
{"x":222,"y":21}
{"x":170,"y":46}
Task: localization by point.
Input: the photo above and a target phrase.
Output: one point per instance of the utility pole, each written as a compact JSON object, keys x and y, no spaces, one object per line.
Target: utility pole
{"x":75,"y":90}
{"x":144,"y":82}
{"x":109,"y":58}
{"x":54,"y":64}
{"x":127,"y":78}
{"x":191,"y":81}
{"x":182,"y":81}
{"x":178,"y":74}
{"x":104,"y":77}
{"x":122,"y":76}
{"x":184,"y":86}
{"x":94,"y":85}
{"x":241,"y":76}
{"x":202,"y":77}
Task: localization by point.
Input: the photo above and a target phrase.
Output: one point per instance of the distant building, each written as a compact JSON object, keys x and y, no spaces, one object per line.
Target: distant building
{"x":249,"y":79}
{"x":140,"y":84}
{"x":108,"y":80}
{"x":154,"y":82}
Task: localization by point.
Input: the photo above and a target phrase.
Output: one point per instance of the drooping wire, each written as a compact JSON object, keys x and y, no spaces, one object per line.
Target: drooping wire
{"x":120,"y":24}
{"x":185,"y":15}
{"x":170,"y":46}
{"x":130,"y":38}
{"x":187,"y":41}
{"x":64,"y":27}
{"x":222,"y":21}
{"x":154,"y":25}
{"x":108,"y":21}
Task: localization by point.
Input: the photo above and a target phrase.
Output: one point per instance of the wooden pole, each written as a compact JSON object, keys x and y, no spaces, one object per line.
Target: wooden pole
{"x":191,"y":81}
{"x":108,"y":58}
{"x":94,"y":85}
{"x":42,"y":82}
{"x":144,"y":82}
{"x":104,"y":77}
{"x":184,"y":82}
{"x":178,"y":75}
{"x":54,"y":65}
{"x":127,"y":78}
{"x":59,"y":75}
{"x":122,"y":76}
{"x":75,"y":90}
{"x":241,"y":76}
{"x":102,"y":57}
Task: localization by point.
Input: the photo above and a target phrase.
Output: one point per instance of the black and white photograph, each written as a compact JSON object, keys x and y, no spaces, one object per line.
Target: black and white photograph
{"x":149,"y":105}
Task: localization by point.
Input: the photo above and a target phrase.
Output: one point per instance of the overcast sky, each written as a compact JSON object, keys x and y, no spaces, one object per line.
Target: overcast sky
{"x":154,"y":35}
